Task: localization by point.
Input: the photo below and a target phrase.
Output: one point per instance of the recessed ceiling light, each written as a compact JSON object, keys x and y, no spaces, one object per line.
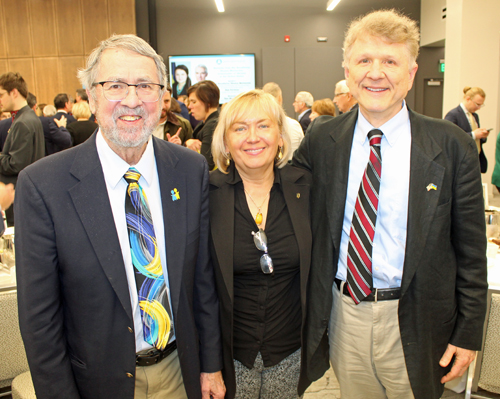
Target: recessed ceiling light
{"x":220,"y":5}
{"x":331,"y":4}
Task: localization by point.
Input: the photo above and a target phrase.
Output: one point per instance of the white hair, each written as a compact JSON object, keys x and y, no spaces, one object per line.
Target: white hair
{"x":305,"y":97}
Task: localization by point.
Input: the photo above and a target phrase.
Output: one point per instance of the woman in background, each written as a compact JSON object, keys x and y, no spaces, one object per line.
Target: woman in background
{"x":322,"y":107}
{"x":182,"y":81}
{"x":203,"y":105}
{"x":83,"y":128}
{"x":261,"y":247}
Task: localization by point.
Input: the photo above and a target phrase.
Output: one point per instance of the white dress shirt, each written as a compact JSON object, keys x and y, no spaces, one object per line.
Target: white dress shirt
{"x":296,"y":134}
{"x":114,"y":168}
{"x":389,"y":242}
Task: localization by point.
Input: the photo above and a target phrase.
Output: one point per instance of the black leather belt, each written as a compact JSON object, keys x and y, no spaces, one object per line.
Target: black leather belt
{"x":377,"y":294}
{"x":154,"y":356}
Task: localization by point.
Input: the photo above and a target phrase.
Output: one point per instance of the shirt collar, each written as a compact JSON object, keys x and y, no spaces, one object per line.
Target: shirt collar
{"x":114,"y":167}
{"x":303,"y":113}
{"x":464,"y":109}
{"x":391,"y":129}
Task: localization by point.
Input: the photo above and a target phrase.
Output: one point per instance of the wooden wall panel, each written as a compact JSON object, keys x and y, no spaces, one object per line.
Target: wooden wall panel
{"x":43,"y":32}
{"x":121,"y":16}
{"x":95,"y":23}
{"x":25,"y":67}
{"x":3,"y":66}
{"x":48,"y":79}
{"x":3,"y":45}
{"x":68,"y":67}
{"x":18,"y":40}
{"x":69,"y":27}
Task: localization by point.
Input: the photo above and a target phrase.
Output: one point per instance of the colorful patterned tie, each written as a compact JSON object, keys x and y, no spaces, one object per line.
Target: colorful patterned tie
{"x":359,"y":251}
{"x":151,"y":288}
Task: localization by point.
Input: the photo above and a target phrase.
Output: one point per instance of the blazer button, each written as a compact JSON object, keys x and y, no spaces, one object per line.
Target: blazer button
{"x":130,"y":375}
{"x":130,"y":329}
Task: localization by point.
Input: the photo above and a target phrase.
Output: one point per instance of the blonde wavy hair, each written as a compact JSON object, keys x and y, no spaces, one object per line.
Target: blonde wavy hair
{"x":246,"y":106}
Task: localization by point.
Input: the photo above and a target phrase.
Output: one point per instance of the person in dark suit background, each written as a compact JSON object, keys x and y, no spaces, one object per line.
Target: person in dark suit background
{"x":79,"y":309}
{"x":302,"y":106}
{"x":253,"y":189}
{"x":410,"y":317}
{"x":63,"y":107}
{"x":465,"y":117}
{"x":25,"y":143}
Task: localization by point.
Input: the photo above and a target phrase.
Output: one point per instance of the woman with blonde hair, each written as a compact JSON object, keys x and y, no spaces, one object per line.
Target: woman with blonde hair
{"x":261,"y":246}
{"x":83,"y":128}
{"x":465,"y":117}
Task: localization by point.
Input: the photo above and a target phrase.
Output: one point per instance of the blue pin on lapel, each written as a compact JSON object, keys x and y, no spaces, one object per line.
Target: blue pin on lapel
{"x":175,"y":194}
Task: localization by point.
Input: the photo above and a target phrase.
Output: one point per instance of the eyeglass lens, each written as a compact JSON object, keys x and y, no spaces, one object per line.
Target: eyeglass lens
{"x":260,"y":240}
{"x":117,"y":91}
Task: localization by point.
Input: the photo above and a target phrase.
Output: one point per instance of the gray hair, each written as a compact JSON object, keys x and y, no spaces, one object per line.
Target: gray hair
{"x":132,"y":43}
{"x":305,"y":97}
{"x":273,"y":89}
{"x":49,"y":110}
{"x":342,"y":86}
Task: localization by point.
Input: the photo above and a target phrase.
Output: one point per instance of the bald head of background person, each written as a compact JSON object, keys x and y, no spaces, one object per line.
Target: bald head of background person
{"x":302,"y":106}
{"x":82,"y":291}
{"x":343,"y":98}
{"x":295,"y":131}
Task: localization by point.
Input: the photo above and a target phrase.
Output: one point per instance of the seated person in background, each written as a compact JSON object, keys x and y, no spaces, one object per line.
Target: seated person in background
{"x":295,"y":130}
{"x":172,"y":127}
{"x":343,"y":98}
{"x":83,"y":128}
{"x":253,"y":203}
{"x":466,"y":118}
{"x":63,"y":106}
{"x":49,"y":110}
{"x":322,"y":107}
{"x":203,"y":104}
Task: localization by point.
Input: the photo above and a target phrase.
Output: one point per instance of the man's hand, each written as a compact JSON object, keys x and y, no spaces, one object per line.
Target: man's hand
{"x":463,"y":357}
{"x":175,"y":138}
{"x":480,"y":133}
{"x":61,"y":122}
{"x":6,"y":195}
{"x":193,"y":144}
{"x":212,"y":385}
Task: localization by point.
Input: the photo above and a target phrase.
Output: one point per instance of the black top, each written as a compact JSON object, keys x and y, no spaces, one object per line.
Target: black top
{"x":267,"y":309}
{"x":81,"y":130}
{"x":204,"y":132}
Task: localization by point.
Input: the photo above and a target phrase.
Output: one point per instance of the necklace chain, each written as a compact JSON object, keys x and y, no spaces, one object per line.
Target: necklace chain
{"x":258,"y":217}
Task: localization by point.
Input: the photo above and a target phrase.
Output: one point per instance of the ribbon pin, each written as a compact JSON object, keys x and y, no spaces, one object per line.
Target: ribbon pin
{"x":175,"y":194}
{"x":431,"y":186}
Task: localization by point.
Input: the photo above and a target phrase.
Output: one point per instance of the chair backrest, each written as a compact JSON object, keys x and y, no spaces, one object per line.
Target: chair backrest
{"x":12,"y":355}
{"x":489,"y":378}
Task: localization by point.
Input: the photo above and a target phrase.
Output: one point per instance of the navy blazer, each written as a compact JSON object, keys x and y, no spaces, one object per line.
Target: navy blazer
{"x":444,"y":284}
{"x":458,"y":117}
{"x":74,"y":304}
{"x":305,"y":121}
{"x":56,"y":138}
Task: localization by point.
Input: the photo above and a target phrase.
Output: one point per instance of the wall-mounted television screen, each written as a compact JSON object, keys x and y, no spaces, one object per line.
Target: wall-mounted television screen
{"x":233,"y":73}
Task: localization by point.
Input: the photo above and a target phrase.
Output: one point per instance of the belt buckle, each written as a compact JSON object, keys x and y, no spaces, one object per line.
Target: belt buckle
{"x":148,"y":358}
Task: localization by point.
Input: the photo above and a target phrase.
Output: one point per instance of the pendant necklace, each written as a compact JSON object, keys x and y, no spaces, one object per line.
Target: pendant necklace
{"x":258,"y":217}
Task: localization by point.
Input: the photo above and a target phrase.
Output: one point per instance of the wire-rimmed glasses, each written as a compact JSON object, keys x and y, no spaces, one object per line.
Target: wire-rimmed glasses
{"x":260,"y":240}
{"x":117,"y":91}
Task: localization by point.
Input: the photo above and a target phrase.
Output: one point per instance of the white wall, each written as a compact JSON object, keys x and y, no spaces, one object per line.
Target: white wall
{"x":432,"y":25}
{"x":472,"y":56}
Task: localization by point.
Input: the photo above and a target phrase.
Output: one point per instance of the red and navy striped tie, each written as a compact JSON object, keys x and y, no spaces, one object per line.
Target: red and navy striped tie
{"x":359,"y":251}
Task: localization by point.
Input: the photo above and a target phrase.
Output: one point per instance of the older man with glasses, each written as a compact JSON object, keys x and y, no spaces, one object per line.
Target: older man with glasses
{"x":116,"y":290}
{"x":343,"y":98}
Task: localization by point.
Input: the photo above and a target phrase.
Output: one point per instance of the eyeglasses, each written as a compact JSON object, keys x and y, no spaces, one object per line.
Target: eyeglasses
{"x":260,"y":240}
{"x":478,"y":105}
{"x":118,"y":91}
{"x":338,"y":94}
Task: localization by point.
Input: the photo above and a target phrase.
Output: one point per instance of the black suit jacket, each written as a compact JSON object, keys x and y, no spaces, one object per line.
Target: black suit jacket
{"x":70,"y":118}
{"x":296,"y":186}
{"x":4,"y":130}
{"x":305,"y":120}
{"x":56,"y":138}
{"x":443,"y":289}
{"x":74,"y":305}
{"x":458,"y":117}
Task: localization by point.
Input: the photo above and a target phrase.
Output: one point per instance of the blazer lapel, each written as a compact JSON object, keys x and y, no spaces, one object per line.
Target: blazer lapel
{"x":174,"y":218}
{"x":423,"y":200}
{"x":91,"y":202}
{"x":222,"y":229}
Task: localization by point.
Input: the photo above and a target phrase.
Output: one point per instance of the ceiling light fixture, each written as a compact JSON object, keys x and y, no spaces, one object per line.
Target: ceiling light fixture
{"x":220,"y":5}
{"x":331,"y":4}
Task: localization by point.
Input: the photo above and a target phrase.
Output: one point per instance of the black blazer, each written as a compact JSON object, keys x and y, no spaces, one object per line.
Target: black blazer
{"x":74,"y":304}
{"x":305,"y":120}
{"x":296,"y":186}
{"x":70,"y":118}
{"x":458,"y":117}
{"x":443,"y":289}
{"x":204,"y":132}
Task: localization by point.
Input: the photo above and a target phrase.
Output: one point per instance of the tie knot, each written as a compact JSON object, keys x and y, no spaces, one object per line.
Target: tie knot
{"x":132,"y":176}
{"x":375,"y":137}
